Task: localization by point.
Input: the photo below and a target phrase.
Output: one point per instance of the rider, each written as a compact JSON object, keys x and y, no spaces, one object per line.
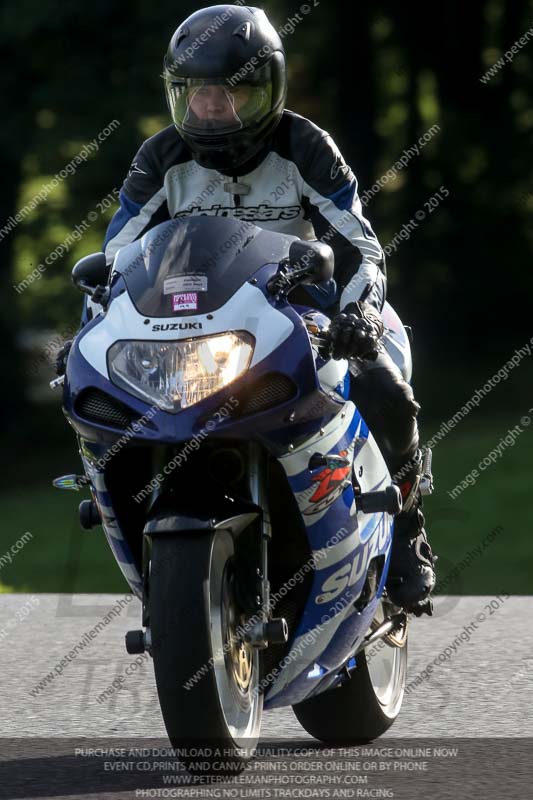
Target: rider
{"x":234,"y":150}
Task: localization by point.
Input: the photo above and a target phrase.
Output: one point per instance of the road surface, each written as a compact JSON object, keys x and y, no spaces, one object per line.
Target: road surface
{"x":481,"y":688}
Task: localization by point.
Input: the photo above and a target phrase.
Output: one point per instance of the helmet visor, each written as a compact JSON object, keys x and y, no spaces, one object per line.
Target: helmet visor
{"x":217,"y":106}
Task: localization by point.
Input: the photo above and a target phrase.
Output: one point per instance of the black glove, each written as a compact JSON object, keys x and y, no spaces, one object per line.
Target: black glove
{"x":357,"y":335}
{"x":61,"y":357}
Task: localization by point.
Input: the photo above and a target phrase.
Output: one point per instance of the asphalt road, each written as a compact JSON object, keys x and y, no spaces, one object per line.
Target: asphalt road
{"x":483,"y":688}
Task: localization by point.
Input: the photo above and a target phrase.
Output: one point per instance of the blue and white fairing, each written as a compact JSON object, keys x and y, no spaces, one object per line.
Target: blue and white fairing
{"x":90,"y":455}
{"x":317,"y":419}
{"x":343,"y":542}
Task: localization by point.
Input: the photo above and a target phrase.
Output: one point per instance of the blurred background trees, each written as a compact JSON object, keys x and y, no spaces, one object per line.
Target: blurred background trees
{"x":377,"y":76}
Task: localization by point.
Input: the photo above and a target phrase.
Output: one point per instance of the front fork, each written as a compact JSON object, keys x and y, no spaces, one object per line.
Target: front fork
{"x":261,"y":630}
{"x":264,"y":630}
{"x":257,"y":474}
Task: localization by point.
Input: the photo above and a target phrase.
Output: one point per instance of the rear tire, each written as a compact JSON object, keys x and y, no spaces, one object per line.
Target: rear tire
{"x":193,"y":612}
{"x":366,"y":704}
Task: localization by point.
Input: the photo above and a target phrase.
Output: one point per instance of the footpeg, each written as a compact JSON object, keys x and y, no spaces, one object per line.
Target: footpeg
{"x":389,"y":501}
{"x":89,"y":515}
{"x":138,"y":642}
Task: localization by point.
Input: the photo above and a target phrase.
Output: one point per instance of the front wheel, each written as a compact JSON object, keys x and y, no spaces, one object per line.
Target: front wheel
{"x":367,"y":703}
{"x":207,"y":676}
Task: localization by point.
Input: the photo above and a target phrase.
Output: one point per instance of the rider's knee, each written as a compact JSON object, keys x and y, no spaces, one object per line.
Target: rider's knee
{"x":401,"y":399}
{"x":387,"y":393}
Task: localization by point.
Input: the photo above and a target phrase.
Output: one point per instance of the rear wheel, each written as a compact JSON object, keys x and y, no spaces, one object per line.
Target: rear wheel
{"x":207,"y":676}
{"x":367,"y":703}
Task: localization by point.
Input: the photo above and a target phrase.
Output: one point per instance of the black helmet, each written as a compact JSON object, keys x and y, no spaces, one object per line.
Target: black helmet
{"x":226,"y":84}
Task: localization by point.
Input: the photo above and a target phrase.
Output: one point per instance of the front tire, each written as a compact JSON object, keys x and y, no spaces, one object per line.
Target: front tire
{"x":207,"y":678}
{"x":367,"y":703}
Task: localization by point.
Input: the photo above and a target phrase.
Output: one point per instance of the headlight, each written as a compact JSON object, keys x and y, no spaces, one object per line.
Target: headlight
{"x":175,"y":375}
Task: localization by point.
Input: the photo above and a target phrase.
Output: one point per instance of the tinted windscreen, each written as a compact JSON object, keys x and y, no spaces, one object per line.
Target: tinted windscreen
{"x":195,"y":265}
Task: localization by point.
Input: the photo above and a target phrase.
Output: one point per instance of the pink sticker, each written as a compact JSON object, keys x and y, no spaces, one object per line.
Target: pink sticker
{"x":185,"y":302}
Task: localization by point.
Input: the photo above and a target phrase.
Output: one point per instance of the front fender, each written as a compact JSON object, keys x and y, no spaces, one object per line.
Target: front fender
{"x":164,"y":521}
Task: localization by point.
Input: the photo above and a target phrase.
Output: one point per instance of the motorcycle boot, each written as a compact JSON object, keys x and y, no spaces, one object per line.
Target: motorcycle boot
{"x":411,"y":577}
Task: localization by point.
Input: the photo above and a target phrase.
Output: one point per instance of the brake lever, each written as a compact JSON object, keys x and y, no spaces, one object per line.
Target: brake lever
{"x":323,"y":342}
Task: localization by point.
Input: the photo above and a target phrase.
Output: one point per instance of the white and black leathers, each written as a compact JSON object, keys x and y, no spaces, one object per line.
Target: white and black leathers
{"x":298,"y":184}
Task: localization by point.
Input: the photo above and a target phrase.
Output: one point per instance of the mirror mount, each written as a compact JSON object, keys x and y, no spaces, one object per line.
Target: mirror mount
{"x":308,"y":262}
{"x":90,"y":275}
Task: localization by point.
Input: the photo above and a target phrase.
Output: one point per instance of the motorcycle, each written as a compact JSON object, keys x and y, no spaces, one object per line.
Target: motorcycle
{"x":242,"y":494}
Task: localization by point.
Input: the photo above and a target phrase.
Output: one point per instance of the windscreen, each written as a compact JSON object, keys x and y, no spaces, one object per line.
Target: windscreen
{"x":195,"y":264}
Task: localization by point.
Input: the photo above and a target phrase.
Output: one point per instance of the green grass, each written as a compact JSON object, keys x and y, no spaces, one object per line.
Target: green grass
{"x":63,"y":558}
{"x":502,"y":495}
{"x":60,"y":557}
